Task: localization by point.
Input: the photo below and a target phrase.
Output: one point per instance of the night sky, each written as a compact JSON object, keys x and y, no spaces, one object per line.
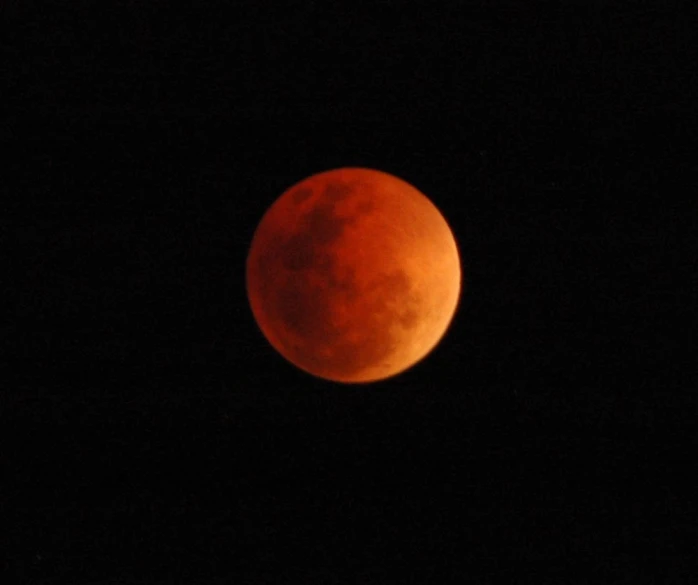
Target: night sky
{"x":150,"y":434}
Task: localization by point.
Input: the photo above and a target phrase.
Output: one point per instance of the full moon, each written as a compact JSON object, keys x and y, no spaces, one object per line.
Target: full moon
{"x":353,"y":275}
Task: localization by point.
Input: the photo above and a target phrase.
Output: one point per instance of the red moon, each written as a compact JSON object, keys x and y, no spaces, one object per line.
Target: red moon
{"x":353,"y":275}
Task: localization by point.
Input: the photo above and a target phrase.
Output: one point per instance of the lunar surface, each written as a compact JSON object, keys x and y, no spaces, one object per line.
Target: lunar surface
{"x":353,"y":275}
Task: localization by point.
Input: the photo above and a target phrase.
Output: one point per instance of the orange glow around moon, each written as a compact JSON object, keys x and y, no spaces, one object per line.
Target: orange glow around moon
{"x":353,"y":275}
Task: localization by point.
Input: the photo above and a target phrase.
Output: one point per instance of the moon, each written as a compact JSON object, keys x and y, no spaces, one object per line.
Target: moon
{"x":353,"y":275}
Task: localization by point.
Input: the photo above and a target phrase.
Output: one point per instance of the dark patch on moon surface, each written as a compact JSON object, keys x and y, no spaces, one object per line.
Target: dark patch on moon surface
{"x":307,"y":310}
{"x":318,"y":229}
{"x":301,"y":194}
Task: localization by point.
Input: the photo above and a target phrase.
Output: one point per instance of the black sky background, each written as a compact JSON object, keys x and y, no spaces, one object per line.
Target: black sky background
{"x":151,"y":435}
